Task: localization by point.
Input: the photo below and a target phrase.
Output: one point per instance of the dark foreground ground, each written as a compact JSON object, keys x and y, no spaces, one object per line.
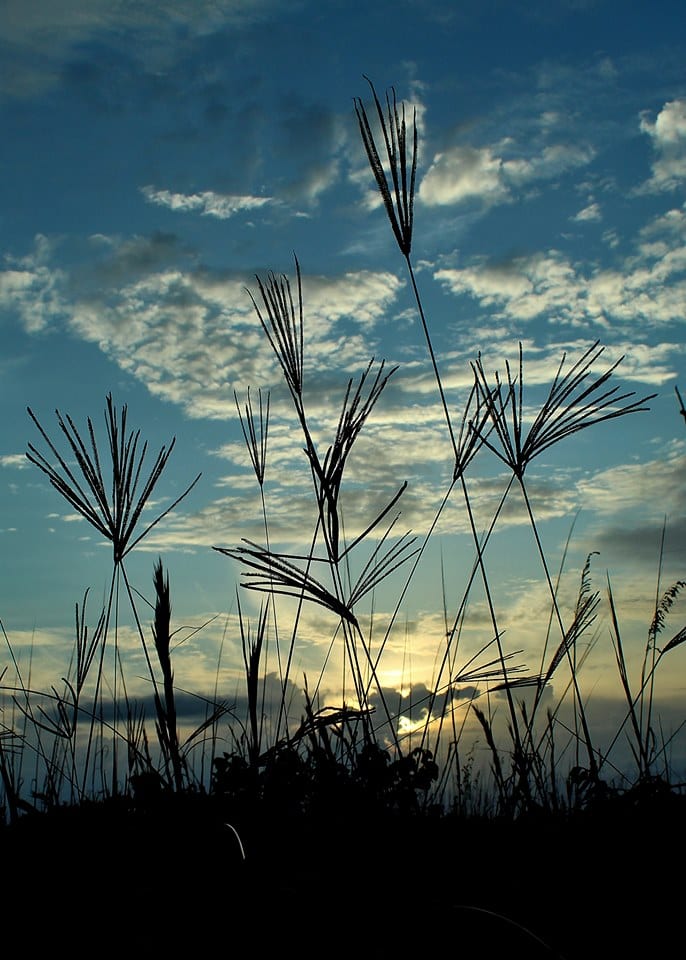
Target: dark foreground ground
{"x":175,"y":882}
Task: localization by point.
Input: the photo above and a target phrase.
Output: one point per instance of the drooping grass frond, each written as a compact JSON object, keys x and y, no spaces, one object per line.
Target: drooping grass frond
{"x":664,"y":606}
{"x":375,"y":522}
{"x":114,"y":513}
{"x":635,"y":704}
{"x":618,"y":646}
{"x":273,"y":573}
{"x":676,"y":640}
{"x":381,"y":565}
{"x":536,"y":681}
{"x":492,"y":670}
{"x":398,"y":195}
{"x":572,"y":404}
{"x":86,"y":646}
{"x":496,"y":764}
{"x":60,"y":723}
{"x":216,"y":710}
{"x":682,"y":408}
{"x":255,"y":436}
{"x":585,"y":615}
{"x":316,"y":722}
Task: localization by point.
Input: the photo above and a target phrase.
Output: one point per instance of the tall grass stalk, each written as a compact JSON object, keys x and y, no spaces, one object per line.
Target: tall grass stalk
{"x":398,"y":197}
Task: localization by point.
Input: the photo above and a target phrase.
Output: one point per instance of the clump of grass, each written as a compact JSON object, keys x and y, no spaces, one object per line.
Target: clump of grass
{"x":354,"y":753}
{"x":575,"y":402}
{"x":110,"y":489}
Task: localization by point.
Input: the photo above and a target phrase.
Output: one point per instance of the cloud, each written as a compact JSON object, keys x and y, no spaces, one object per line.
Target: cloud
{"x":668,"y":133}
{"x":309,"y":145}
{"x":119,"y":259}
{"x":639,"y":545}
{"x":207,"y":203}
{"x":630,"y":488}
{"x":486,"y":174}
{"x":190,"y":335}
{"x":463,"y":173}
{"x":644,"y":291}
{"x":39,"y":36}
{"x":15,"y":461}
{"x":523,"y":287}
{"x":551,"y":162}
{"x":391,"y":450}
{"x":589,"y":213}
{"x":33,"y":288}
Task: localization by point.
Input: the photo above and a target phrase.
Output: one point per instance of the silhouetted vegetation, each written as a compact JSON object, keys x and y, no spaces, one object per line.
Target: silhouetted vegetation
{"x":342,"y":798}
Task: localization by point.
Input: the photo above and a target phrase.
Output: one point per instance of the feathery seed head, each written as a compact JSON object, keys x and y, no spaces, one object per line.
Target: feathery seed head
{"x":573,"y":404}
{"x":283,"y":326}
{"x":398,"y":194}
{"x":113,"y":506}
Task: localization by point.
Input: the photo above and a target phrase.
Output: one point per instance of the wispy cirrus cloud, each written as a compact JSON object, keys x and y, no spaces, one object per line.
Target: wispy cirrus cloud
{"x":208,"y":203}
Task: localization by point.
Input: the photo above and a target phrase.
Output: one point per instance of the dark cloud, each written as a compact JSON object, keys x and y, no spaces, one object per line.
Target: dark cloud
{"x":43,"y":42}
{"x":109,"y":81}
{"x":193,"y":708}
{"x":306,"y":144}
{"x":639,"y":545}
{"x":413,"y":704}
{"x":136,"y":256}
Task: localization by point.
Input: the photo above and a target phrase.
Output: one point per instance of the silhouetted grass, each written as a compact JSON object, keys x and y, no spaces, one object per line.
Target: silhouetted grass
{"x":343,"y":792}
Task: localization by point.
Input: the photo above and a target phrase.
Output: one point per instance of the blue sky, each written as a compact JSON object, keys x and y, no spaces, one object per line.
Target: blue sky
{"x":157,"y":156}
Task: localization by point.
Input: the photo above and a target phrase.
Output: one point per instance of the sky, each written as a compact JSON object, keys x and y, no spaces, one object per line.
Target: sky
{"x":159,"y":157}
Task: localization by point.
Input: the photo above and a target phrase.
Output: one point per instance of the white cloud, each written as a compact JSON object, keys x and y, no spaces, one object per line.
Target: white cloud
{"x":33,"y":288}
{"x":192,"y":337}
{"x":465,"y":173}
{"x":16,"y":461}
{"x":589,"y":213}
{"x":648,"y":289}
{"x":668,"y":133}
{"x":671,"y":224}
{"x":526,"y":287}
{"x":207,"y":203}
{"x":669,"y":128}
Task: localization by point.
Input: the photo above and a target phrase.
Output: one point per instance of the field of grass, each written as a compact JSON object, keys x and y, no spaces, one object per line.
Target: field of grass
{"x":338,"y":822}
